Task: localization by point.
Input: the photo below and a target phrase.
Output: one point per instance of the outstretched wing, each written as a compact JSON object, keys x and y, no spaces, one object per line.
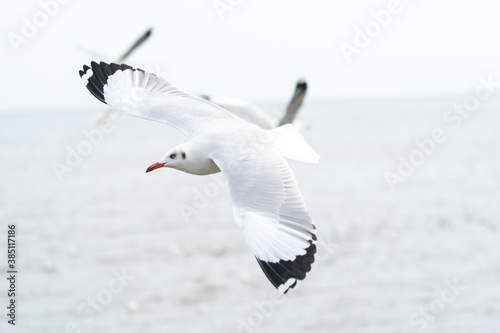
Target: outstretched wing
{"x":147,"y":96}
{"x":294,"y":105}
{"x":268,"y":207}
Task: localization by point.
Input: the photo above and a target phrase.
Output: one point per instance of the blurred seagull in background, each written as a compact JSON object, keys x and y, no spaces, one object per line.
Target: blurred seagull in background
{"x":124,"y":57}
{"x":255,"y":115}
{"x":137,"y":43}
{"x":266,"y":201}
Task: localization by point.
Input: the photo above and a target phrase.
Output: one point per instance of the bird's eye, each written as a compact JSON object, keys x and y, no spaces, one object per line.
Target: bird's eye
{"x":183,"y":155}
{"x":172,"y":156}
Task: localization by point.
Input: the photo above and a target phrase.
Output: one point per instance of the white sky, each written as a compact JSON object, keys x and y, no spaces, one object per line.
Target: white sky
{"x":257,"y":53}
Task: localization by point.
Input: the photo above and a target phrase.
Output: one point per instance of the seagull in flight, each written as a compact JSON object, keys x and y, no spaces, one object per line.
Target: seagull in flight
{"x":255,"y":115}
{"x":266,"y":202}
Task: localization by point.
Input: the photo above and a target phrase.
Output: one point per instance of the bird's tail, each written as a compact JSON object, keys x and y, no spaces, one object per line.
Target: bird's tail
{"x":292,"y":145}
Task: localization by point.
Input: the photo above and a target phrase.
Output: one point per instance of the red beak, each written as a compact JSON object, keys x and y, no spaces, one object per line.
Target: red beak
{"x":155,"y":166}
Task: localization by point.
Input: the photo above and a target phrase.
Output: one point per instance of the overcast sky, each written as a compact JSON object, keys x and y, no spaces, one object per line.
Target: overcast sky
{"x":254,"y":50}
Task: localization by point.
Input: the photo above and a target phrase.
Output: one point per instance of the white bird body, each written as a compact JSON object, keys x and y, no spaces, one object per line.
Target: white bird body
{"x":267,"y":204}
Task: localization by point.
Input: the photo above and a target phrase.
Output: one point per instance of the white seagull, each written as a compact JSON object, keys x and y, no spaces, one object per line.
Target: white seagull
{"x":266,"y":201}
{"x":255,"y":115}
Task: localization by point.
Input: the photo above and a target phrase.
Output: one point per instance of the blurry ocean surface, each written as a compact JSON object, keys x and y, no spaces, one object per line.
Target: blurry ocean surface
{"x":386,"y":258}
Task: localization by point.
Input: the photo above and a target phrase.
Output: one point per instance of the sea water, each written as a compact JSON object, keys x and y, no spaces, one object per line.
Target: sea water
{"x":408,"y":231}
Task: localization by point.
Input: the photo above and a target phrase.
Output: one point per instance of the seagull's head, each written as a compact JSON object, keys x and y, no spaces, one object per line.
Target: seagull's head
{"x":186,"y":158}
{"x":174,"y":158}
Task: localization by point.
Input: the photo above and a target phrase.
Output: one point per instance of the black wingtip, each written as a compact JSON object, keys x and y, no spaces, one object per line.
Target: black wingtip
{"x":84,"y":71}
{"x":301,"y":85}
{"x":100,"y":75}
{"x":288,"y":271}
